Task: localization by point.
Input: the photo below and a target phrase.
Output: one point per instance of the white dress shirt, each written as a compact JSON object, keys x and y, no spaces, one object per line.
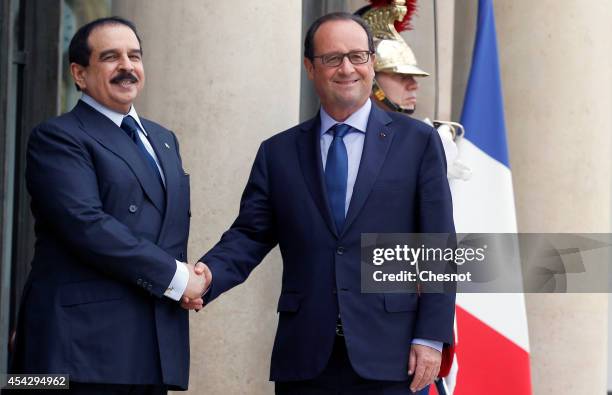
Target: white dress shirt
{"x":353,"y":141}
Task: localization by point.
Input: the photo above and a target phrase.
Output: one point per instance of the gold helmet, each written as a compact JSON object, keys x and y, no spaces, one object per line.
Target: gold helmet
{"x":387,"y":18}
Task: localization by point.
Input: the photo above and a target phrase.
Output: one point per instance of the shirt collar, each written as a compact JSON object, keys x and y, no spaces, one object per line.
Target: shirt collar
{"x":358,"y":120}
{"x":114,"y":116}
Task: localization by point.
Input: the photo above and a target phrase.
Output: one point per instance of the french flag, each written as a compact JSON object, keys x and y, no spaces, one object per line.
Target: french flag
{"x":492,"y":344}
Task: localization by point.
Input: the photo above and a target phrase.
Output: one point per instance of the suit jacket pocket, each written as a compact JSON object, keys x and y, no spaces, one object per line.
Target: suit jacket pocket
{"x":91,"y":292}
{"x":289,"y":303}
{"x":398,"y":302}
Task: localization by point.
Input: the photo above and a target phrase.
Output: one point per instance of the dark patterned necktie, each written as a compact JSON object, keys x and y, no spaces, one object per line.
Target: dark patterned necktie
{"x":130,"y":127}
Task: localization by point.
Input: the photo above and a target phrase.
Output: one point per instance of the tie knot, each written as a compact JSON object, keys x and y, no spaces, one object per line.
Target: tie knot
{"x":130,"y":126}
{"x":341,"y":129}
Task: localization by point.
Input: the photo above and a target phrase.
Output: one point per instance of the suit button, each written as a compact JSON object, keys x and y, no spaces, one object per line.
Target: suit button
{"x":139,"y":281}
{"x":149,"y":286}
{"x":133,"y":208}
{"x":340,"y":250}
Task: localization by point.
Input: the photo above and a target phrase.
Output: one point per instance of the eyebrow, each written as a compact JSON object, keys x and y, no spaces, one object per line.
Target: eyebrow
{"x":341,"y":53}
{"x":113,"y":51}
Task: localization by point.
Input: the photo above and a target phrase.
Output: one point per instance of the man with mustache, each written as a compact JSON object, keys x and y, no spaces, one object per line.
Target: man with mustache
{"x":111,"y":203}
{"x":313,"y":190}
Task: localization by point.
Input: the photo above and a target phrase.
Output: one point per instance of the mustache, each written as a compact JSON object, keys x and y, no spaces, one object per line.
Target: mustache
{"x":124,"y":77}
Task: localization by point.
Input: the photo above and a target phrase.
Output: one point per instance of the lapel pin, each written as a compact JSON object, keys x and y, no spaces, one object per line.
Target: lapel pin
{"x":382,"y":135}
{"x":167,"y":146}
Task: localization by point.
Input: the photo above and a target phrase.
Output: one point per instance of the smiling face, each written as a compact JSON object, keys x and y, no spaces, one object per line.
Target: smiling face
{"x":115,"y":74}
{"x":401,"y":89}
{"x":345,"y":88}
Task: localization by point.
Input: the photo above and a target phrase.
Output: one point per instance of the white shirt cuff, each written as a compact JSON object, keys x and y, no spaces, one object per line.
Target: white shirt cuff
{"x":179,"y":282}
{"x":429,"y":343}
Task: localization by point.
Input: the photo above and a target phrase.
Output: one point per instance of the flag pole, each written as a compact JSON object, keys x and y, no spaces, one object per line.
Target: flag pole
{"x":436,"y":62}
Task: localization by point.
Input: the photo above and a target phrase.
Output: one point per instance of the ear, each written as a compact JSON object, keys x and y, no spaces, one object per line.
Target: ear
{"x":309,"y":66}
{"x":78,"y":75}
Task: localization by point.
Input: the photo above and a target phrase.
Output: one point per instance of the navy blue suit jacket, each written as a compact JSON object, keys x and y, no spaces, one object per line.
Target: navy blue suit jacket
{"x":401,"y":186}
{"x":106,"y":243}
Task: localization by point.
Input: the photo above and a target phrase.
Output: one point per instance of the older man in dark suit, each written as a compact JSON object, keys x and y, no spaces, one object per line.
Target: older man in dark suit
{"x":111,"y":204}
{"x":313,"y":190}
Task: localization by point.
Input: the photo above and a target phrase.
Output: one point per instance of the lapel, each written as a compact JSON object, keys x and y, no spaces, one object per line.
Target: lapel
{"x":116,"y":140}
{"x":166,"y":155}
{"x":309,"y":152}
{"x":378,"y":139}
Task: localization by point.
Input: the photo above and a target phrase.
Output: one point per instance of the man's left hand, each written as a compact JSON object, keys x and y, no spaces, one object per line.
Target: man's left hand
{"x":424,"y":363}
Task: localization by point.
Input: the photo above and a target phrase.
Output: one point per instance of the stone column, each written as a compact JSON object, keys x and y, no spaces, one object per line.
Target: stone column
{"x":223,"y":76}
{"x":556,"y":64}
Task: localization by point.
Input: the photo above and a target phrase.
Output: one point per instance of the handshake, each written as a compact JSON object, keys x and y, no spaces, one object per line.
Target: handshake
{"x":200,"y":278}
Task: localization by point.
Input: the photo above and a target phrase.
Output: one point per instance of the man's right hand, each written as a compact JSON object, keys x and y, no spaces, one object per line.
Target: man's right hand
{"x":201,"y":271}
{"x":196,"y":285}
